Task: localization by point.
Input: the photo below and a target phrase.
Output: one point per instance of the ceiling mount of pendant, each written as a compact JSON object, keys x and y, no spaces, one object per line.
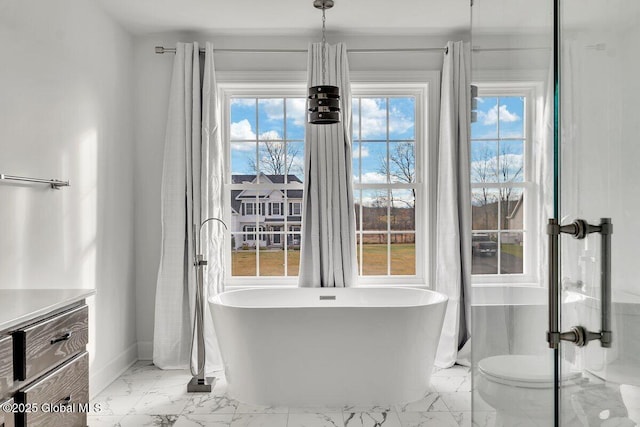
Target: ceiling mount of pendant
{"x":324,"y":99}
{"x":323,"y":4}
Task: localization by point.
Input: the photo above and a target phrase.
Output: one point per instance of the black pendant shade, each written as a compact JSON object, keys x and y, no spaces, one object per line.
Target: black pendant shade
{"x":324,"y":105}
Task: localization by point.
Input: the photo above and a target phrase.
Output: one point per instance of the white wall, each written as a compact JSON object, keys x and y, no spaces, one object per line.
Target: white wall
{"x":66,"y":113}
{"x":153,"y":74}
{"x":600,"y":151}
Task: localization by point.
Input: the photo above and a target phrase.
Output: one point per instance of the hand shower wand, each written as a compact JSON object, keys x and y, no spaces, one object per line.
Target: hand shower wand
{"x":200,"y":384}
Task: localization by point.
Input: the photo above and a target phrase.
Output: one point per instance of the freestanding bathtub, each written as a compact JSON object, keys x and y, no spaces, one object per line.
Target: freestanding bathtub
{"x":328,"y":346}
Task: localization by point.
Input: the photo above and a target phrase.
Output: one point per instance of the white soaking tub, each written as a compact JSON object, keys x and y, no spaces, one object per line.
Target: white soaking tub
{"x":328,"y":346}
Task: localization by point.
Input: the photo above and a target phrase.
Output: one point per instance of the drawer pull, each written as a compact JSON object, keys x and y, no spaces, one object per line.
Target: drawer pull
{"x":62,"y":337}
{"x":65,"y":401}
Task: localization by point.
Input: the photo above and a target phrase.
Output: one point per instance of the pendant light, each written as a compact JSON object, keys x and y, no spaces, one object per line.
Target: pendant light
{"x":324,"y":100}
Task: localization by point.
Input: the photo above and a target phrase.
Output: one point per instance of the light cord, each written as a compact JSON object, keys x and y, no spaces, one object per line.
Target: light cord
{"x":324,"y":46}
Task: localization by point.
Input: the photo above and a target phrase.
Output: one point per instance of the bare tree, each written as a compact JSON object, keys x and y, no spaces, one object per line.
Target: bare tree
{"x":505,"y":168}
{"x":277,"y":158}
{"x":509,"y":170}
{"x":482,"y":171}
{"x":401,"y":165}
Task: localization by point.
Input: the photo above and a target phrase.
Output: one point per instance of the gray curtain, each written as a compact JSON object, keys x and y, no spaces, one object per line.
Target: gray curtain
{"x":191,"y":191}
{"x":328,"y":253}
{"x":453,"y":217}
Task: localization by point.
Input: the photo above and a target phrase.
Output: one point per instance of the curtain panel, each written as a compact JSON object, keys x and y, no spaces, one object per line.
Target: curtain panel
{"x":453,"y":206}
{"x":192,"y":180}
{"x":328,"y":252}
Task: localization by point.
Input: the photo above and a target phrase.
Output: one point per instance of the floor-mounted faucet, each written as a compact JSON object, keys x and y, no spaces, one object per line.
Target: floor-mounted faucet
{"x":199,"y":383}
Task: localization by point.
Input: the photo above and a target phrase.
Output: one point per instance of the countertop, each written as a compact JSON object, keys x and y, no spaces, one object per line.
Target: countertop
{"x":18,"y":306}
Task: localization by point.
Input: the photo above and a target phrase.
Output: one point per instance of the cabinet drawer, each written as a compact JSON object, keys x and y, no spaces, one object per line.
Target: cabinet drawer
{"x":6,"y":365}
{"x":62,"y":397}
{"x":45,"y":344}
{"x":7,"y":419}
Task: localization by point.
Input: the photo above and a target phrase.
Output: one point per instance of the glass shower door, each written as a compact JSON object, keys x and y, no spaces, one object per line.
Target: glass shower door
{"x":598,"y":179}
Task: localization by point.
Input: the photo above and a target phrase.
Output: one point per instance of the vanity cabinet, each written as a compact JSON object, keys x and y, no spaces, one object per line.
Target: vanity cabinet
{"x":7,"y":419}
{"x":44,"y":365}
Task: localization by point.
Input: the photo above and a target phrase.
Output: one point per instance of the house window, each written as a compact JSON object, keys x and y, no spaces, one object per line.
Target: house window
{"x":265,"y":138}
{"x":249,"y":233}
{"x":249,"y":208}
{"x":387,"y":149}
{"x":275,"y":209}
{"x":295,"y":208}
{"x":504,"y":229}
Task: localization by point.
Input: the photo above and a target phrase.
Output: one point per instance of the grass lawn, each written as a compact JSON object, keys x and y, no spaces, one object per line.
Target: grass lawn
{"x":512,"y":249}
{"x":403,"y":261}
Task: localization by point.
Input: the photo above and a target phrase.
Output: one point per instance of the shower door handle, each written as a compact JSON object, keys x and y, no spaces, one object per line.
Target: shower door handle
{"x":579,"y":335}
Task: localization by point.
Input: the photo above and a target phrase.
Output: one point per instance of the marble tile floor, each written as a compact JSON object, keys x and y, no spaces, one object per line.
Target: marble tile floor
{"x":147,"y":396}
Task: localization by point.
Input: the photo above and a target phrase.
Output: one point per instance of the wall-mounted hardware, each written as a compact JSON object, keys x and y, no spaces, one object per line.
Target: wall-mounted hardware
{"x":54,"y":183}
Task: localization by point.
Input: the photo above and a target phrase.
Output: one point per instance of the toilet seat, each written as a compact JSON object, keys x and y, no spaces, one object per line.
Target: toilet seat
{"x":524,"y":371}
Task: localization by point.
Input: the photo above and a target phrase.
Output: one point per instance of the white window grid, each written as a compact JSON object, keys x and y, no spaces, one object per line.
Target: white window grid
{"x":259,"y":186}
{"x":530,"y":91}
{"x":424,"y":103}
{"x":386,"y":188}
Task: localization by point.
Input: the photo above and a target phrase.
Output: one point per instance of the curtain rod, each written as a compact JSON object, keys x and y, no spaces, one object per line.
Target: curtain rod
{"x":161,"y":50}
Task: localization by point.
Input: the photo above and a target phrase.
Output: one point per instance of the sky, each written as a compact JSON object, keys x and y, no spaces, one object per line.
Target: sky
{"x":497,"y":139}
{"x":264,"y":119}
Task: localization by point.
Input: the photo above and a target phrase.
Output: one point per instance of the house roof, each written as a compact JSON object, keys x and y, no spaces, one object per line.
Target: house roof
{"x":236,"y":199}
{"x":275,"y":179}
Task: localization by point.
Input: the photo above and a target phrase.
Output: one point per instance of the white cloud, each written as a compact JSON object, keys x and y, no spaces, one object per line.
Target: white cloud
{"x":374,"y":119}
{"x":511,"y":164}
{"x":374,"y":178}
{"x":297,"y":110}
{"x":243,"y":146}
{"x":398,"y":122}
{"x":491,"y":116}
{"x":242,"y":130}
{"x":360,"y":153}
{"x":246,"y":102}
{"x":270,"y":135}
{"x":272,"y":107}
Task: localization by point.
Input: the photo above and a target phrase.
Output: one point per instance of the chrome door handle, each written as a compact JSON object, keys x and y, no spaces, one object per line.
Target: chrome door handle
{"x":579,"y":335}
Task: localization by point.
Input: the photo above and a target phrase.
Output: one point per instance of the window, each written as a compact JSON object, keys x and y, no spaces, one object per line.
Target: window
{"x":503,"y":200}
{"x":250,"y":235}
{"x":295,"y":208}
{"x":275,"y":209}
{"x":249,"y":208}
{"x":388,"y":188}
{"x":265,"y":134}
{"x":266,"y":148}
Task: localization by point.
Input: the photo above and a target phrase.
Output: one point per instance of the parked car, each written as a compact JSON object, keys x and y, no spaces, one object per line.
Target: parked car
{"x":482,"y":244}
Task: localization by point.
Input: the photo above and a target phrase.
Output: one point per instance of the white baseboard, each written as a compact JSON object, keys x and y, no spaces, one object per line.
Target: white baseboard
{"x":145,"y":350}
{"x":100,"y":379}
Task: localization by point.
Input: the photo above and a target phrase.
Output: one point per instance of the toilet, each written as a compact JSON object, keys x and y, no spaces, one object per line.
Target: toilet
{"x":520,"y":389}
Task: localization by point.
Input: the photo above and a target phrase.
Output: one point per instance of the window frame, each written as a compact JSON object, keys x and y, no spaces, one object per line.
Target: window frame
{"x":532,"y":233}
{"x":420,"y":91}
{"x":292,"y":208}
{"x":252,"y":90}
{"x":425,"y":86}
{"x":272,"y":206}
